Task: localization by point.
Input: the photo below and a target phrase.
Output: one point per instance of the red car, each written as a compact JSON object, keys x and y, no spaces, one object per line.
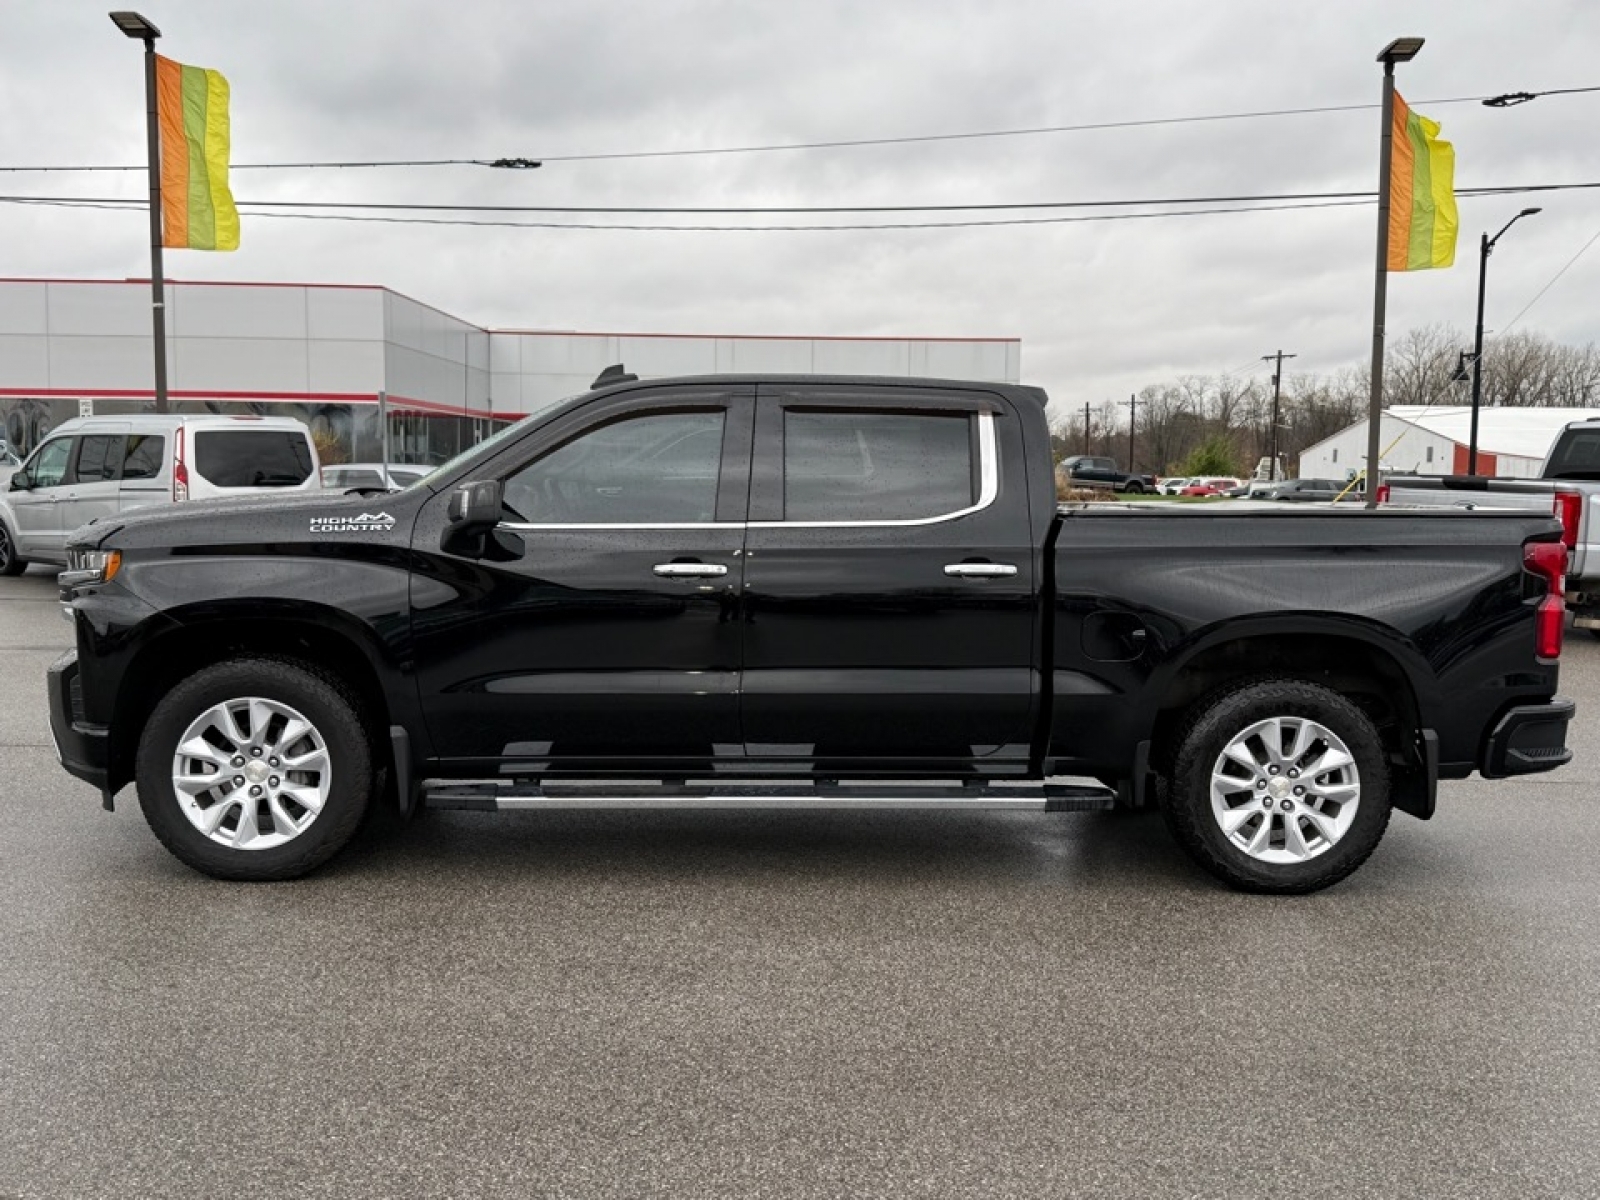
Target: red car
{"x":1209,"y":487}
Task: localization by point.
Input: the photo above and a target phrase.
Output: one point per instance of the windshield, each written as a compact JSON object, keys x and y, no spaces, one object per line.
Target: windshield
{"x":437,"y":475}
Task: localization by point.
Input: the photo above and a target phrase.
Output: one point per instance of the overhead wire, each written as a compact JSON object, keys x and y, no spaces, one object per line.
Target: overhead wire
{"x":138,"y":206}
{"x":1506,"y":328}
{"x":836,"y":143}
{"x":819,"y":210}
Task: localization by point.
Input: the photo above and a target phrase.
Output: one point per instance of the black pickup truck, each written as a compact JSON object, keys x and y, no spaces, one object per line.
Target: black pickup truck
{"x":809,"y":592}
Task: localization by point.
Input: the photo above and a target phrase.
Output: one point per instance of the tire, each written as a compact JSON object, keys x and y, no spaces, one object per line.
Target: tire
{"x":314,"y":790}
{"x":1323,"y":834}
{"x":11,"y":563}
{"x":1133,"y":489}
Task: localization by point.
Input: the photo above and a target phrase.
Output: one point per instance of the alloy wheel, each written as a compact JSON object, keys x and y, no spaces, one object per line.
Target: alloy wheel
{"x":1285,"y":790}
{"x":251,"y":773}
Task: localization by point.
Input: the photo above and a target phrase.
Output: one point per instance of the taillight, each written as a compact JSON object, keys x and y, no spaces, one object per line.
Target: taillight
{"x":180,"y":470}
{"x":1569,"y":510}
{"x":1548,"y":560}
{"x":1383,"y":493}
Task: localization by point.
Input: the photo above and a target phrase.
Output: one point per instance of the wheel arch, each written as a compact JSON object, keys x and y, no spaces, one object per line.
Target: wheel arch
{"x":1363,"y":661}
{"x":322,"y":638}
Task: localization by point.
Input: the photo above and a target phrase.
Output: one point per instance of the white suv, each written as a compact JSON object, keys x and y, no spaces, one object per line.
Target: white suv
{"x":95,"y":467}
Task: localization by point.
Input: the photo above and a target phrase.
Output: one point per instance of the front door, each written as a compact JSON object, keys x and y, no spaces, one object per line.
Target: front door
{"x":35,"y":497}
{"x":889,"y":581}
{"x":599,"y":627}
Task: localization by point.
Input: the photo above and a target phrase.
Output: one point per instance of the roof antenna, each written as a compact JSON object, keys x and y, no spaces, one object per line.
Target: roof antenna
{"x":612,"y":374}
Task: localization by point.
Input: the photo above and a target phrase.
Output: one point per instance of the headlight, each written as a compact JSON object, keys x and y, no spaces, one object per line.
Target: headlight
{"x":88,"y":567}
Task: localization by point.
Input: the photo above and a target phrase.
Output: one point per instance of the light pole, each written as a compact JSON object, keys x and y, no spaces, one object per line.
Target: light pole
{"x":1400,"y":50}
{"x":1485,"y":248}
{"x":137,"y":27}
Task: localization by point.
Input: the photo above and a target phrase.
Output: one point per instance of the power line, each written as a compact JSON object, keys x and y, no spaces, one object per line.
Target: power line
{"x":138,"y":206}
{"x":1539,"y":295}
{"x":840,"y":143}
{"x":819,"y":210}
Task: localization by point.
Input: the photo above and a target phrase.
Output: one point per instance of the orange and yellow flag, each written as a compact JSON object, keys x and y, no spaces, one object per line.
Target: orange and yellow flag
{"x":197,"y":211}
{"x":1422,"y":197}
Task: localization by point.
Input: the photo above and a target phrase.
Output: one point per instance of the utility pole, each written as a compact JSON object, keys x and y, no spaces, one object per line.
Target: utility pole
{"x":1087,"y":449}
{"x":1132,"y":404}
{"x":1277,"y":390}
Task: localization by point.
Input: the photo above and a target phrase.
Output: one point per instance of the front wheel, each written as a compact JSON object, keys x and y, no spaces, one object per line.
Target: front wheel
{"x":1278,"y":785}
{"x":10,"y":562}
{"x":254,"y":769}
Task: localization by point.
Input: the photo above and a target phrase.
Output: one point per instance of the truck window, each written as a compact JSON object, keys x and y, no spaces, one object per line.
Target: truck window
{"x":1578,"y":456}
{"x":653,"y":469}
{"x":853,"y":465}
{"x":252,"y":457}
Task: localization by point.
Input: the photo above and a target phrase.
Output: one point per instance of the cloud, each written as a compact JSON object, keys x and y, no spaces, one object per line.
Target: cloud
{"x":1102,"y":308}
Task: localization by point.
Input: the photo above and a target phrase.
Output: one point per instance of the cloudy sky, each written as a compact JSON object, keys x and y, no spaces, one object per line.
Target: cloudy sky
{"x":1102,"y":307}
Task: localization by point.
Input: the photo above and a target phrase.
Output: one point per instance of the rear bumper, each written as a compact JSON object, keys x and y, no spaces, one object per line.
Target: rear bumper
{"x":80,"y":746}
{"x":1529,"y":738}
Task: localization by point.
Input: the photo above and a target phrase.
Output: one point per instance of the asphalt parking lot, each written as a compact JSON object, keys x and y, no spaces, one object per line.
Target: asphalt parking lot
{"x":726,"y":1005}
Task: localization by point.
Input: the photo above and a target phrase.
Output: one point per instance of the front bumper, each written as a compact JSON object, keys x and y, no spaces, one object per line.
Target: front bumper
{"x":82,"y":748}
{"x":1529,"y":738}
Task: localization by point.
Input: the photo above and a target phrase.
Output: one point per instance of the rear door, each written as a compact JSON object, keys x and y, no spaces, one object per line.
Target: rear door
{"x":237,"y":459}
{"x":146,"y":475}
{"x":889,"y":580}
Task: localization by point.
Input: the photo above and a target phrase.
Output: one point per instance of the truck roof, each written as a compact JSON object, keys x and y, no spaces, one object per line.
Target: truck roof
{"x":1018,"y":391}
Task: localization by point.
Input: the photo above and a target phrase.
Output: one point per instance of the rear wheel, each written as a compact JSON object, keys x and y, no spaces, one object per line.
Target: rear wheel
{"x":10,"y":562}
{"x":1133,"y":488}
{"x":254,"y":769}
{"x":1278,"y":786}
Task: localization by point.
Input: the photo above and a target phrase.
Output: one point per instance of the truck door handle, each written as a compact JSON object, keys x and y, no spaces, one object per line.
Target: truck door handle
{"x":688,"y":570}
{"x":980,"y":570}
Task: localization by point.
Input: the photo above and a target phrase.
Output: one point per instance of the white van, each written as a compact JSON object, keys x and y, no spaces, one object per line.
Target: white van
{"x":92,"y":468}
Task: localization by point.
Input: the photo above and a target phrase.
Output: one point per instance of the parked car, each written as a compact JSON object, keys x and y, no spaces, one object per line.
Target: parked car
{"x":741,"y":591}
{"x":1085,"y":470}
{"x":371,"y":476}
{"x":1568,"y":484}
{"x":1214,"y":485}
{"x":9,"y":463}
{"x":1308,"y":491}
{"x":1172,"y":486}
{"x":93,"y":468}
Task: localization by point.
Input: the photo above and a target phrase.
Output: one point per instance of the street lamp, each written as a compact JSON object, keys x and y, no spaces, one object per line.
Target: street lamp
{"x":1485,"y":248}
{"x":141,"y":29}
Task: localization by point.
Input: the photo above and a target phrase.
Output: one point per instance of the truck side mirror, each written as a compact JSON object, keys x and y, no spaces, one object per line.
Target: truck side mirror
{"x":475,"y":507}
{"x":21,"y":481}
{"x":472,"y":513}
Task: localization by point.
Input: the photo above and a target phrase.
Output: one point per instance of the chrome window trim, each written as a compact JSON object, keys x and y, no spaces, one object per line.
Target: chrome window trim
{"x":522,"y":526}
{"x":989,"y":490}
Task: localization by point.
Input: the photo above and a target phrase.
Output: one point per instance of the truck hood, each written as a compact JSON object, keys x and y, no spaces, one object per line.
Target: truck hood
{"x":287,"y":519}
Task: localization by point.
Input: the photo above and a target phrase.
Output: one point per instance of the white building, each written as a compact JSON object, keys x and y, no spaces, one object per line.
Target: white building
{"x":323,"y":353}
{"x":1433,"y":440}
